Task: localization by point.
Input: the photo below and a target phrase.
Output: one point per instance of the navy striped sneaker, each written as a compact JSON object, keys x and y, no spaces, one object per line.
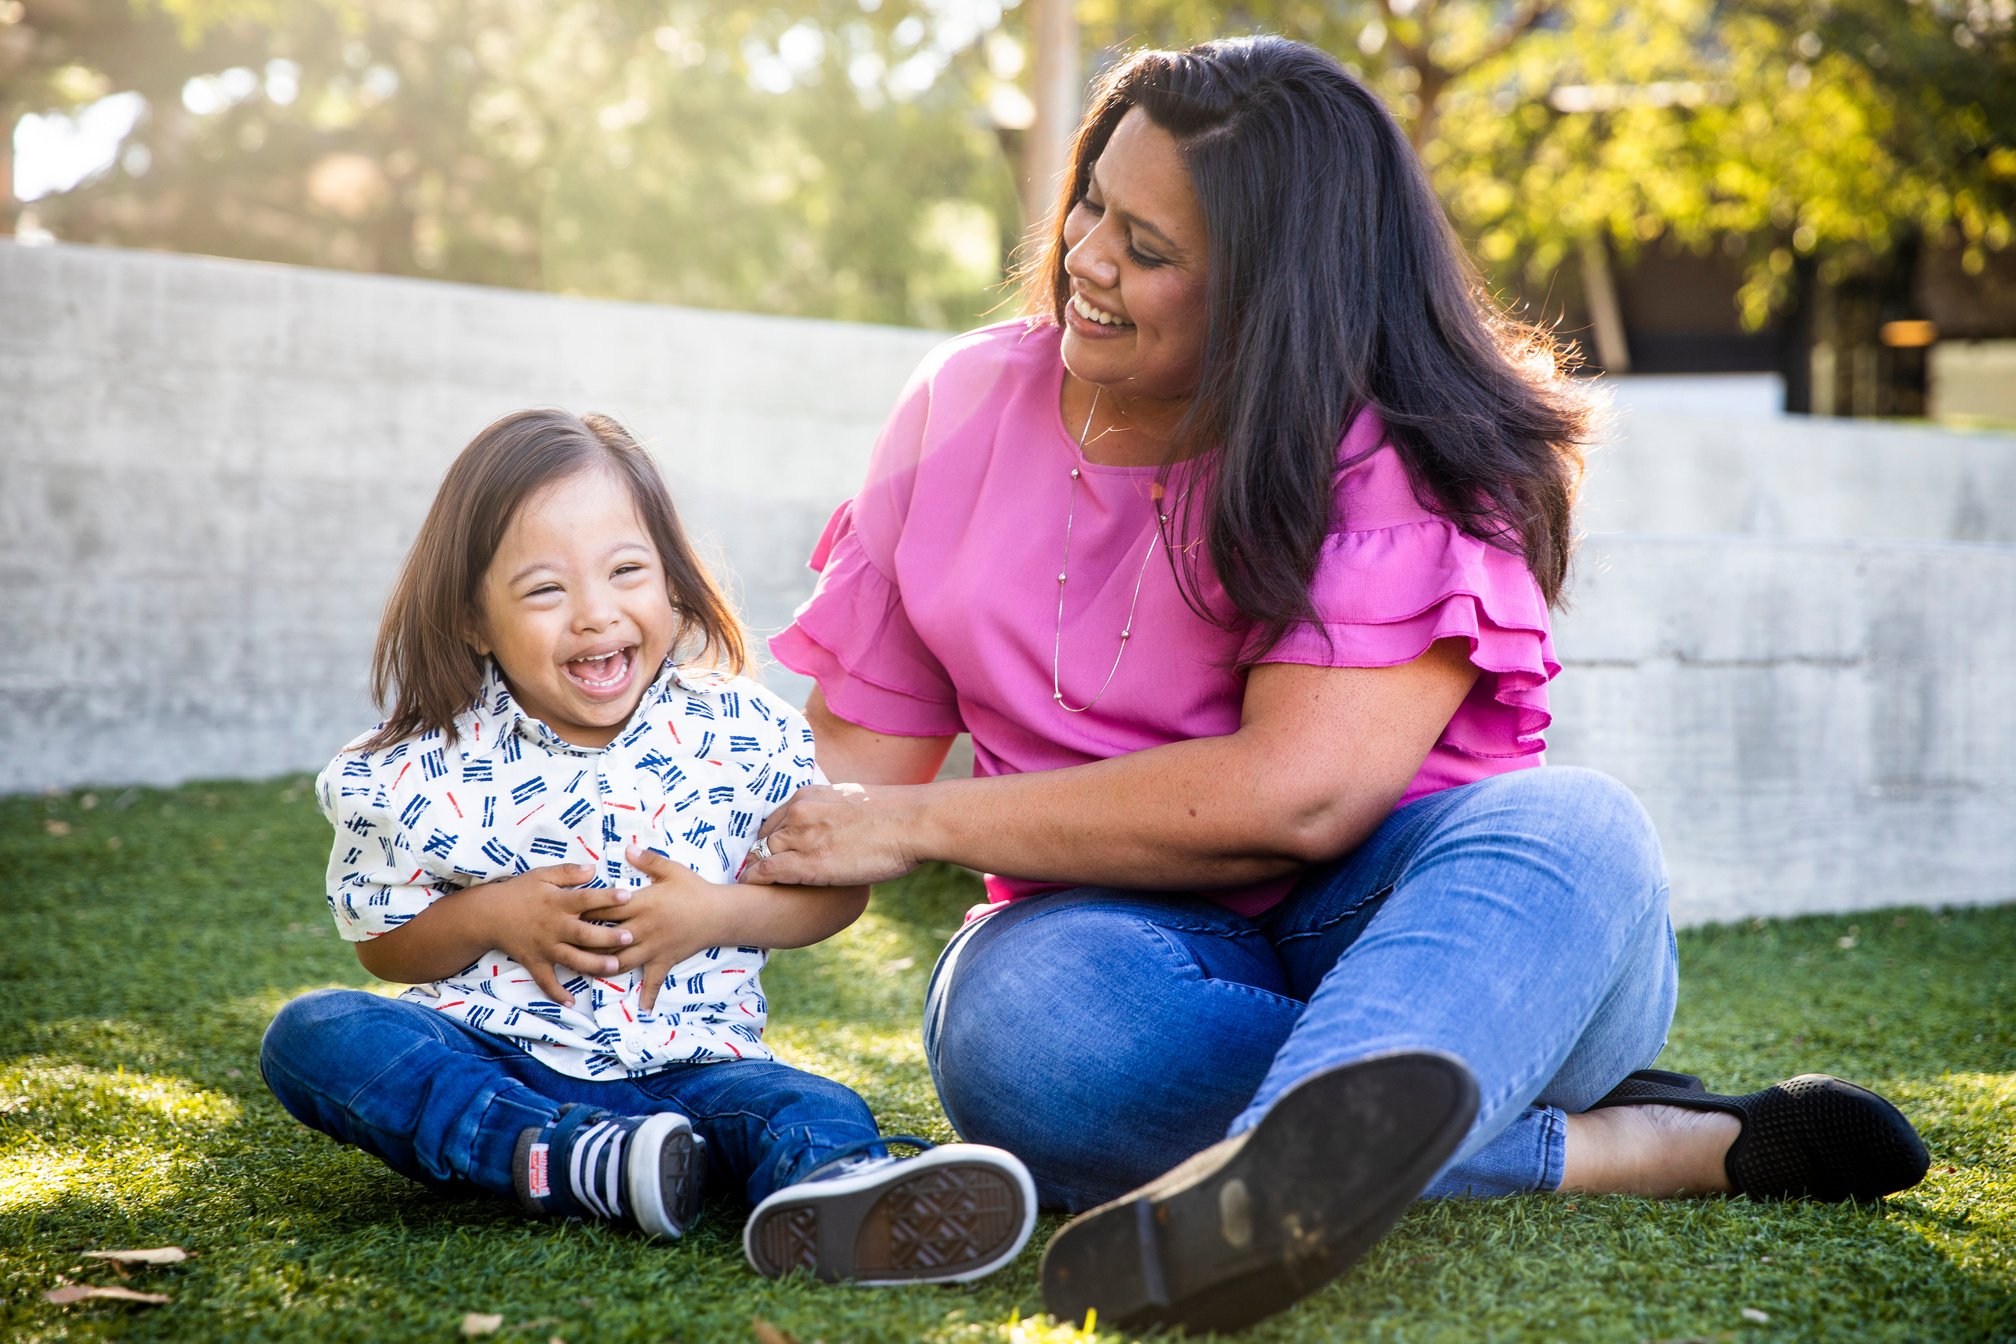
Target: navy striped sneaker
{"x":646,"y":1170}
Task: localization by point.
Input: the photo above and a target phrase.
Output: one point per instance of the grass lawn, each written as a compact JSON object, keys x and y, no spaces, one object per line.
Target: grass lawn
{"x":150,"y":935}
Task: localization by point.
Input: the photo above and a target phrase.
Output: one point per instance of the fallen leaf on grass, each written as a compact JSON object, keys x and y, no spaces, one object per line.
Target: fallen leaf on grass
{"x":767,"y":1333}
{"x":55,"y":827}
{"x":157,"y":1255}
{"x":479,"y":1323}
{"x":81,"y":1292}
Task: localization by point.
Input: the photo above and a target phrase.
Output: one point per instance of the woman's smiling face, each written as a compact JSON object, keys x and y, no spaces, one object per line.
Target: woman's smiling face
{"x":1135,"y":255}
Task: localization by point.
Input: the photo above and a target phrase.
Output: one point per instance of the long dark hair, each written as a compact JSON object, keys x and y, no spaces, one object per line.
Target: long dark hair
{"x":1335,"y":284}
{"x":425,"y":669}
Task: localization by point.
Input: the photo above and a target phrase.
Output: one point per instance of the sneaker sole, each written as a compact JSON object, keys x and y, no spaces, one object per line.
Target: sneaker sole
{"x":1254,"y":1224}
{"x":667,"y":1166}
{"x":951,"y":1214}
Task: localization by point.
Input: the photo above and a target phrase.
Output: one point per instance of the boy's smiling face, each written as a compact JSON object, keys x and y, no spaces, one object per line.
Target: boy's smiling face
{"x":574,"y":607}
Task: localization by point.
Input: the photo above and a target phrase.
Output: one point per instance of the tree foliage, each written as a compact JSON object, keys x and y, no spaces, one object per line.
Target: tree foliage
{"x":792,"y":159}
{"x":1773,"y":128}
{"x":842,"y":157}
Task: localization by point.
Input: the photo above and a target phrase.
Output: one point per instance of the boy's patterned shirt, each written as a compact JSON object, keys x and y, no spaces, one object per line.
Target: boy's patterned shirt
{"x":702,"y":762}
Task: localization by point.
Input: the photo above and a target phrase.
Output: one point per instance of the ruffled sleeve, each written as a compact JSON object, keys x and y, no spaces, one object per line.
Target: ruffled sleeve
{"x":853,"y":637}
{"x":1384,"y":594}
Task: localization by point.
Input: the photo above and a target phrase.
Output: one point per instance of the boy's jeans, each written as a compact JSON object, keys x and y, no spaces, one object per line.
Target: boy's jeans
{"x":444,"y":1103}
{"x":1518,"y":923}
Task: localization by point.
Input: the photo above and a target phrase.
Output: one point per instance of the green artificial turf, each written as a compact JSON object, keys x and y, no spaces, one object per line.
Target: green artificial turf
{"x":150,"y":935}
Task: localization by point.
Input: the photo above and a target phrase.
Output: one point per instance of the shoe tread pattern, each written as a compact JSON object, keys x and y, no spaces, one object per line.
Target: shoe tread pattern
{"x":682,"y":1171}
{"x":788,"y":1239}
{"x":938,"y":1222}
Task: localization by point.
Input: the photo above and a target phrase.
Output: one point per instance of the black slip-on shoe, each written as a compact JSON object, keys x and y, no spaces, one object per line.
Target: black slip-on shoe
{"x":1252,"y":1225}
{"x":1810,"y":1137}
{"x":1686,"y":1082}
{"x":951,"y":1213}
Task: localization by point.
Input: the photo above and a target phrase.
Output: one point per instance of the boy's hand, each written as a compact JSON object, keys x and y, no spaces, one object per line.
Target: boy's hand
{"x":541,"y":922}
{"x":664,"y":923}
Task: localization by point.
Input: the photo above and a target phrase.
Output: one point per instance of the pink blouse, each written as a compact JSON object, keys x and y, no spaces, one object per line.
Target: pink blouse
{"x":936,"y":607}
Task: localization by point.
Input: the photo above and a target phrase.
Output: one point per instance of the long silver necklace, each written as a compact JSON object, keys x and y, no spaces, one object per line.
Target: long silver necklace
{"x":1064,"y":578}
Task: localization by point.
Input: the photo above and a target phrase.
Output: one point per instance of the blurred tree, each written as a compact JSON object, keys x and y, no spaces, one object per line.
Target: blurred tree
{"x":864,"y":182}
{"x":63,"y":55}
{"x":852,"y":158}
{"x":1057,"y":97}
{"x":824,"y":157}
{"x":1823,"y":138}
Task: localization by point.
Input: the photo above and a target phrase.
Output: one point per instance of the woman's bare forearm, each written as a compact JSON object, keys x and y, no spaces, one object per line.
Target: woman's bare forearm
{"x":1201,"y":813}
{"x":1322,"y":756}
{"x":849,"y":752}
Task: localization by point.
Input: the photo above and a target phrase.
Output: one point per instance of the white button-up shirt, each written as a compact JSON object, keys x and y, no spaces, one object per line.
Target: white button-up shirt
{"x":692,"y":775}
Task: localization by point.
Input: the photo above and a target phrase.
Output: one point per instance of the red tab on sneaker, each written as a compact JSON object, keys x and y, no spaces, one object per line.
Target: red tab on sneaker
{"x":535,"y":1172}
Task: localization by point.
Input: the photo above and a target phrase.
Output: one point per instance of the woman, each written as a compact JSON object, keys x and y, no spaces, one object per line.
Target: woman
{"x":1235,"y":562}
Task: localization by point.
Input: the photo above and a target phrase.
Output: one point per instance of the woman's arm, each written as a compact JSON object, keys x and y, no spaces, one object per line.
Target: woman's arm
{"x":1320,"y":757}
{"x":848,"y":751}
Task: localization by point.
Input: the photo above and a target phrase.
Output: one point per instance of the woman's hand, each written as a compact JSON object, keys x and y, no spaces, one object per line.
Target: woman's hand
{"x":837,"y":835}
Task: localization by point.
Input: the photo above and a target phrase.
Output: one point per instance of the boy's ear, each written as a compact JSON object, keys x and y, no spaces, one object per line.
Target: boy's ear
{"x":472,"y":634}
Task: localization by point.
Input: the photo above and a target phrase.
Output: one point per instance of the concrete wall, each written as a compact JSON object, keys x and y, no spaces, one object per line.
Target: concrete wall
{"x":1713,"y":455}
{"x":210,"y":470}
{"x":1814,"y":725}
{"x":1976,"y":378}
{"x":1794,"y":639}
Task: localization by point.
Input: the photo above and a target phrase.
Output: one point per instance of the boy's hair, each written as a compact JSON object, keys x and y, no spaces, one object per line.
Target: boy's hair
{"x":425,"y":669}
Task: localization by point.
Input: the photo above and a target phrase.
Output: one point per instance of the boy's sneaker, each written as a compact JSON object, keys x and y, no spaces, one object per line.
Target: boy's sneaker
{"x":643,"y":1169}
{"x":949,"y":1214}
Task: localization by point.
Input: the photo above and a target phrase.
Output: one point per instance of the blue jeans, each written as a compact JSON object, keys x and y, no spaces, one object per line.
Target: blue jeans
{"x":1518,"y":923}
{"x":444,"y":1103}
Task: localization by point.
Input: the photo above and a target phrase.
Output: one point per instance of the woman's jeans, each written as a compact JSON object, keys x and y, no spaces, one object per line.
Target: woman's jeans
{"x":1517,"y":923}
{"x":444,"y":1103}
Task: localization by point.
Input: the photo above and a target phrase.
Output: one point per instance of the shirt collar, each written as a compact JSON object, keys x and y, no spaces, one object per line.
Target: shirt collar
{"x":496,"y":715}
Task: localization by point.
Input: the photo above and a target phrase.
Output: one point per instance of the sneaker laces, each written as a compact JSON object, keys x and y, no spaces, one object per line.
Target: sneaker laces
{"x":855,"y":1156}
